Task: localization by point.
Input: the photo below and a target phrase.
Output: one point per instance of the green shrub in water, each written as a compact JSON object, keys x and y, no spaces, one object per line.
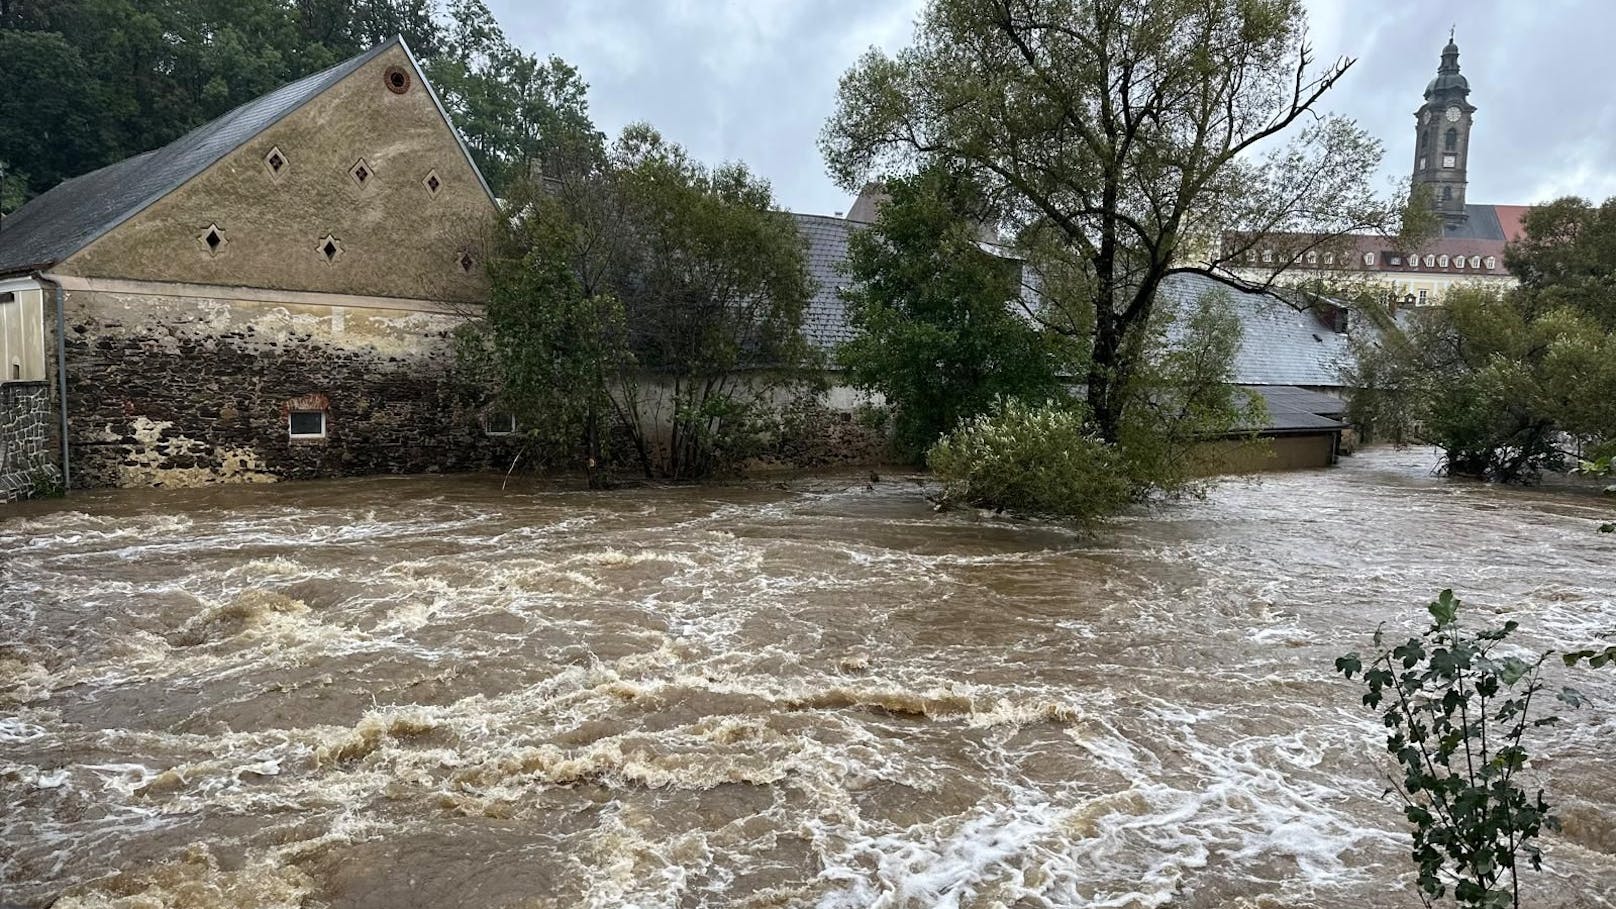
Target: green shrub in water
{"x":1034,"y":459}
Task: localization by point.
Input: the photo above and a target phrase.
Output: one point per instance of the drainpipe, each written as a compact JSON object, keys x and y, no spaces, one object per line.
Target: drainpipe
{"x":61,"y":372}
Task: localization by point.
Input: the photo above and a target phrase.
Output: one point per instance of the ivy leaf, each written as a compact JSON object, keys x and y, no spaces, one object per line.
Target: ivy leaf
{"x":1607,"y":528}
{"x":1571,"y":697}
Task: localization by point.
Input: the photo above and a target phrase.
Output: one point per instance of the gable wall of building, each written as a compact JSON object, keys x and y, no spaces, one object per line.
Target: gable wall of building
{"x":396,"y":237}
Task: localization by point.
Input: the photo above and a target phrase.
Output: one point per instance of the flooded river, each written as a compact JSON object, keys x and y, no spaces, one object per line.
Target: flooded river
{"x":429,"y":692}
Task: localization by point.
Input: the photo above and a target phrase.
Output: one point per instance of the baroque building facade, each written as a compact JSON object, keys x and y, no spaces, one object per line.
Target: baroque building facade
{"x":1468,"y":248}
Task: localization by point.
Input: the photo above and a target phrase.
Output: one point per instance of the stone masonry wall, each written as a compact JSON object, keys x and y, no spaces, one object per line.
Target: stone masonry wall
{"x":169,"y":391}
{"x":26,"y":462}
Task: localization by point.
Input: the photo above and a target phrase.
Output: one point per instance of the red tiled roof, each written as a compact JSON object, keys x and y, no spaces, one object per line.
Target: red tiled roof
{"x":1509,"y":217}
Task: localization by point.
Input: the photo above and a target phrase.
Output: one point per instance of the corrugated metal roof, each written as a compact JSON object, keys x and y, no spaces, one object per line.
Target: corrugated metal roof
{"x":68,"y":217}
{"x":1279,"y":345}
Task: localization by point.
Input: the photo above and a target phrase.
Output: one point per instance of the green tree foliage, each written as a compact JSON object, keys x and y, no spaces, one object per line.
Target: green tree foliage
{"x":1457,"y":707}
{"x":1120,"y":140}
{"x":1048,"y":458}
{"x":646,"y":285}
{"x":517,"y":112}
{"x":1510,"y":384}
{"x":715,"y":285}
{"x":940,"y":329}
{"x":1041,"y":459}
{"x":548,"y":346}
{"x":1184,"y":397}
{"x":90,"y":82}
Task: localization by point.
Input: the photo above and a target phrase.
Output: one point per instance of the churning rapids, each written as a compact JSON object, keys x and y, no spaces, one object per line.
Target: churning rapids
{"x":428,"y":692}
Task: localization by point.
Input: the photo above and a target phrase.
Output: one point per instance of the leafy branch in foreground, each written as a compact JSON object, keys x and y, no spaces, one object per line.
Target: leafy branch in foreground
{"x":1457,"y":710}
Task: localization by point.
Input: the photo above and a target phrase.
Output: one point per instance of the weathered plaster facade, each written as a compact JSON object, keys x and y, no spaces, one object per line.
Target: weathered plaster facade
{"x":26,"y":456}
{"x":396,"y":236}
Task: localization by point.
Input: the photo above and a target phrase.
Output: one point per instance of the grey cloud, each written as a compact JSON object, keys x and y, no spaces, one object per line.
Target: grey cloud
{"x":754,"y":80}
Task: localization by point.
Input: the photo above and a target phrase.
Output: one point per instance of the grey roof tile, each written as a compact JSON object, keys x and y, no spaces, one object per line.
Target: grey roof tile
{"x":1279,"y":345}
{"x":825,"y":322}
{"x":68,"y":217}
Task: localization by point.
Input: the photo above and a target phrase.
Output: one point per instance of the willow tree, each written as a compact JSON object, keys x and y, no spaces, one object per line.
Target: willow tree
{"x":1122,"y":140}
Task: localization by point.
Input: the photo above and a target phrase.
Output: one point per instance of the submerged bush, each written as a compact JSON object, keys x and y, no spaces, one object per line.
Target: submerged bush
{"x":1040,"y":459}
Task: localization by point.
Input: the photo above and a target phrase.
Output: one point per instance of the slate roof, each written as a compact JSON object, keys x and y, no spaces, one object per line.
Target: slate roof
{"x":1296,"y":410}
{"x":1280,"y":344}
{"x":1498,"y":223}
{"x":825,"y":321}
{"x":68,"y":217}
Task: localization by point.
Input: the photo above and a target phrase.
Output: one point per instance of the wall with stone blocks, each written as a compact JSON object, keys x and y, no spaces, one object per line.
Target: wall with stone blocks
{"x":186,"y":391}
{"x":27,"y":461}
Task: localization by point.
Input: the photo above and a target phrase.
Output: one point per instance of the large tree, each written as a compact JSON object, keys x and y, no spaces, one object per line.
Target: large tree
{"x":1122,"y":140}
{"x":938,"y":332}
{"x":646,"y":283}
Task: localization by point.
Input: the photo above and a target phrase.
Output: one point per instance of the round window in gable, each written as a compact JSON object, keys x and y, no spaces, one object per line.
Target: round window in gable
{"x":398,"y":81}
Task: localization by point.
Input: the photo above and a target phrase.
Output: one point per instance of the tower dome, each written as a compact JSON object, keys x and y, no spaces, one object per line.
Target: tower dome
{"x":1449,"y":82}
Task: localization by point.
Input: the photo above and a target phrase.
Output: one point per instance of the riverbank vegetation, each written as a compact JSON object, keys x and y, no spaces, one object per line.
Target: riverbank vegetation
{"x":643,"y":299}
{"x":1515,"y":383}
{"x":1458,"y":706}
{"x":937,"y":332}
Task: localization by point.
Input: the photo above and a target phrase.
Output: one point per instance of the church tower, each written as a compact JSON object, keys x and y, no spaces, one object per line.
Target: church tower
{"x":1442,"y":137}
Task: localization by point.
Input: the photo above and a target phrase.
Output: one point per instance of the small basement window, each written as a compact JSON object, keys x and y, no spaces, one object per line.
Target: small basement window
{"x":500,"y":424}
{"x":306,"y":424}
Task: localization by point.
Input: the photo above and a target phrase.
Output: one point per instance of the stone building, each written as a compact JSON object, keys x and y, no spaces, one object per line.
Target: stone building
{"x":1469,"y":247}
{"x":270,"y":296}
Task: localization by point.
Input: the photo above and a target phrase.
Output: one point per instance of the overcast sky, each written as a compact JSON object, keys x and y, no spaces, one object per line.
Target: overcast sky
{"x":755,"y":79}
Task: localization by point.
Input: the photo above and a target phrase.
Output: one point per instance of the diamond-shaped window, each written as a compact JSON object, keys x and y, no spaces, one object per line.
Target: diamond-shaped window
{"x":466,"y":261}
{"x":276,"y":163}
{"x":212,"y":240}
{"x":330,"y":248}
{"x":362,"y":173}
{"x":432,"y":183}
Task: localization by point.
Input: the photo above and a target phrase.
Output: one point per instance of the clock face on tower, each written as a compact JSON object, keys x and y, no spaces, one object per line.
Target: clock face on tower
{"x":1453,"y":115}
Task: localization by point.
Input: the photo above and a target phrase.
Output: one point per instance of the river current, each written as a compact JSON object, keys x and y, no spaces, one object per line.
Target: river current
{"x":434,"y":692}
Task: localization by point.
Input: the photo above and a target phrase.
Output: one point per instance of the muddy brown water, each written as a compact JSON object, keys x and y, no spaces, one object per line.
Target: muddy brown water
{"x":429,"y":692}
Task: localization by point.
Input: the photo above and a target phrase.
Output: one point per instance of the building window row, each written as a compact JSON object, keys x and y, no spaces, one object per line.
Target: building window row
{"x":1370,"y":259}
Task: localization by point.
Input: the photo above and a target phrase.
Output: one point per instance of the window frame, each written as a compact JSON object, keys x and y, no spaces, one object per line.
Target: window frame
{"x":294,"y":435}
{"x":488,"y":424}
